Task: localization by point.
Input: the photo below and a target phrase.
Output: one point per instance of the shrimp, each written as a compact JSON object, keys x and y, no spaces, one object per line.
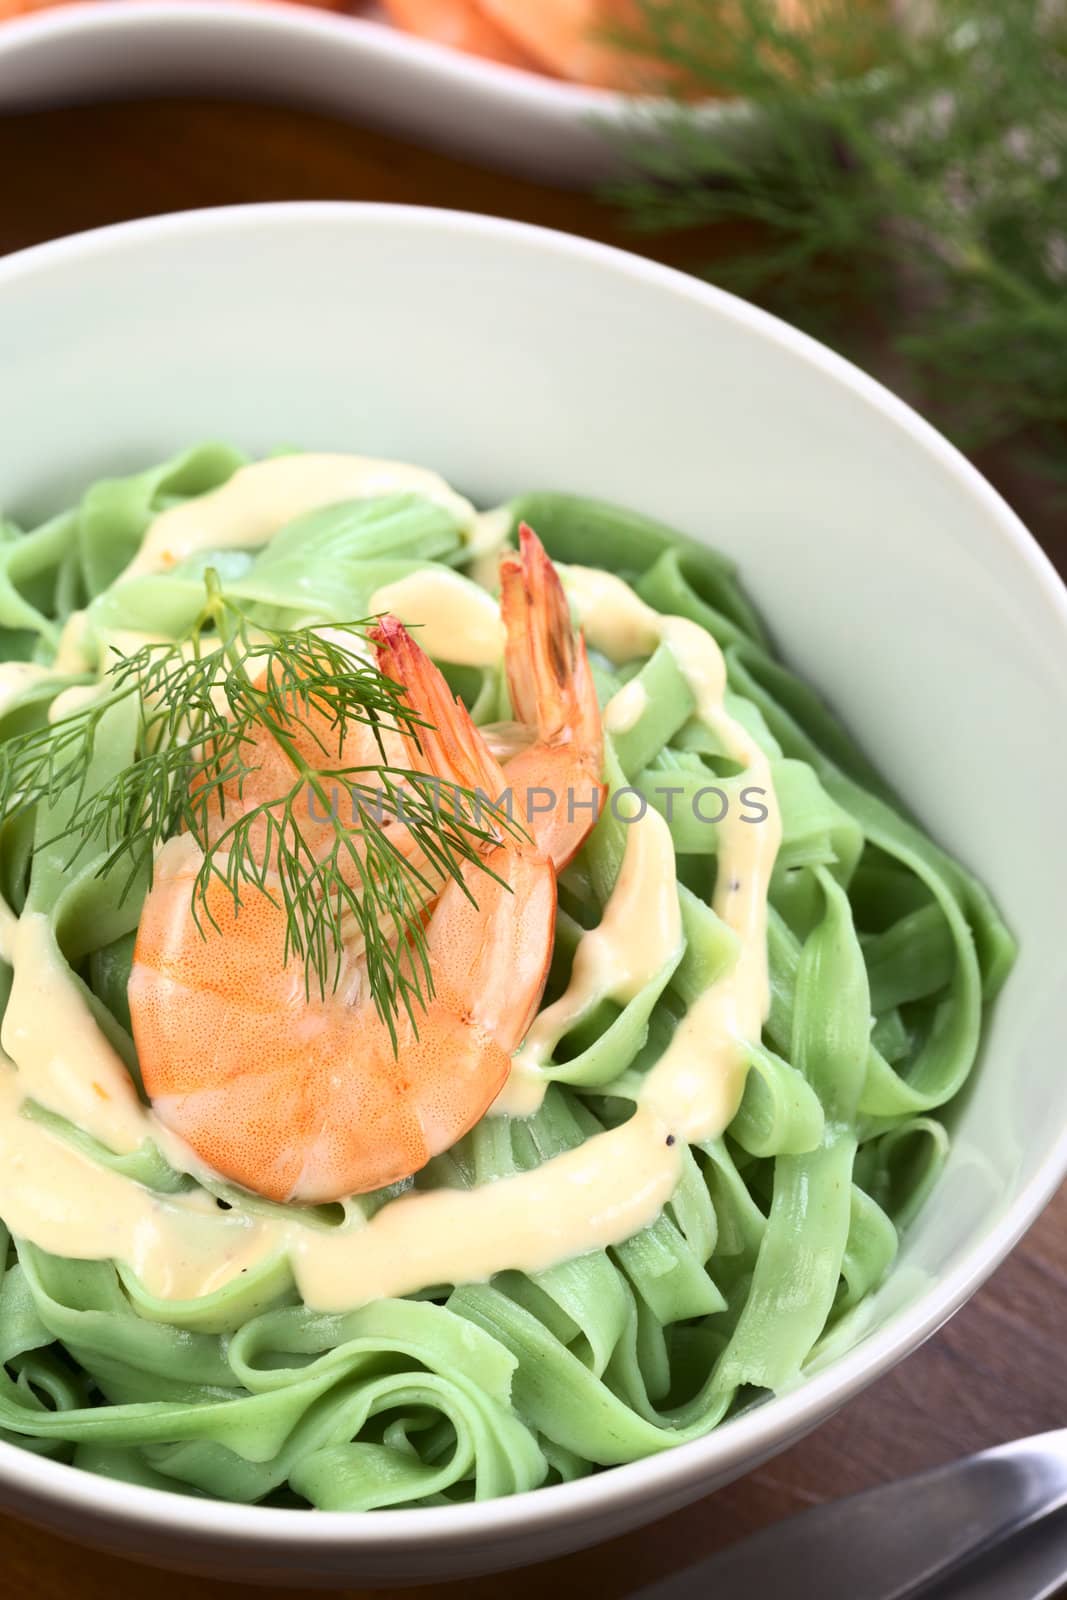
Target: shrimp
{"x":572,"y":38}
{"x":554,"y":752}
{"x":302,"y":1096}
{"x":462,"y":24}
{"x":267,"y":772}
{"x":18,"y":8}
{"x":567,"y":37}
{"x":553,"y":694}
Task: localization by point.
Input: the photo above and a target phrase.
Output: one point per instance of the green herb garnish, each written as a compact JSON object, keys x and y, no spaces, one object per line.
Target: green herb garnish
{"x":899,"y":180}
{"x":200,"y":702}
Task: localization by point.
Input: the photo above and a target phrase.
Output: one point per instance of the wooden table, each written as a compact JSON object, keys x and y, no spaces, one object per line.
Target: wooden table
{"x":997,"y":1371}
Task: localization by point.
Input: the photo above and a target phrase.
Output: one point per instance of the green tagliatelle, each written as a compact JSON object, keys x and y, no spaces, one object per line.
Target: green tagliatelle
{"x":882,"y":953}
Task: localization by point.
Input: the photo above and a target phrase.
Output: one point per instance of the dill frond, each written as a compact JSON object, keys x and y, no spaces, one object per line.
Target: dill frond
{"x":903,"y":170}
{"x":201,"y":703}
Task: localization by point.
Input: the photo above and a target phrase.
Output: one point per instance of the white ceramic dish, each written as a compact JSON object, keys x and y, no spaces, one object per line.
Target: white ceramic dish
{"x":889,"y":570}
{"x":353,"y":67}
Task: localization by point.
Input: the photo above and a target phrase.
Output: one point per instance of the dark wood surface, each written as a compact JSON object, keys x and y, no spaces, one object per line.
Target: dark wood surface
{"x":997,"y":1371}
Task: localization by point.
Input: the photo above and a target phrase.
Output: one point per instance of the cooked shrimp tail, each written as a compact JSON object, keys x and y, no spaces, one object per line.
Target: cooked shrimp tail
{"x":444,"y":742}
{"x":514,"y":886}
{"x":552,"y":692}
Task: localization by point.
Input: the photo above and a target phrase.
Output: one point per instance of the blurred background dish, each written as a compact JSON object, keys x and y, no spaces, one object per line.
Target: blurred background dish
{"x":599,"y":43}
{"x":489,"y":111}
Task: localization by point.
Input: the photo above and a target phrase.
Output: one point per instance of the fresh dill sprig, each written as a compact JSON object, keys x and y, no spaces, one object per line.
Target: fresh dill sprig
{"x":895,"y":181}
{"x":327,"y":848}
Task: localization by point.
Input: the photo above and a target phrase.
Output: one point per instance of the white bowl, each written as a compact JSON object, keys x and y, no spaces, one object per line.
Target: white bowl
{"x":891,"y":574}
{"x":353,"y":67}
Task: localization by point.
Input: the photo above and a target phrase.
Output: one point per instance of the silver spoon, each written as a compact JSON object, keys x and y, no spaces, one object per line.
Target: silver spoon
{"x":896,"y":1541}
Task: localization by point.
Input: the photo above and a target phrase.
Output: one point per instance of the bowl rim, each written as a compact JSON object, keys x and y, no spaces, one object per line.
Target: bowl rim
{"x":776,"y":1422}
{"x":381,"y":39}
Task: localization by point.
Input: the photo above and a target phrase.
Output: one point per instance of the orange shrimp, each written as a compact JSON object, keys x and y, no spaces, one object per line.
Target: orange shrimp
{"x":568,"y":37}
{"x":269,"y":772}
{"x":462,"y":24}
{"x":572,"y":39}
{"x":553,"y":694}
{"x":18,"y":8}
{"x":303,"y":1097}
{"x":553,"y":753}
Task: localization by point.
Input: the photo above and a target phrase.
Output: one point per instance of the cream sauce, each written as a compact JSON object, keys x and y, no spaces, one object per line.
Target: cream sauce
{"x":626,"y":707}
{"x":182,"y":1246}
{"x":260,"y":499}
{"x":179,"y":1246}
{"x":15,"y":678}
{"x":488,"y":538}
{"x":9,"y":924}
{"x":695,"y":1087}
{"x":68,"y":702}
{"x":64,"y":1061}
{"x":455,"y":620}
{"x":639,"y":932}
{"x":73,"y":652}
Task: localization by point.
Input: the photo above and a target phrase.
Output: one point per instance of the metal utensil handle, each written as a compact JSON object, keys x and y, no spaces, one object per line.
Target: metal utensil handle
{"x":891,"y":1542}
